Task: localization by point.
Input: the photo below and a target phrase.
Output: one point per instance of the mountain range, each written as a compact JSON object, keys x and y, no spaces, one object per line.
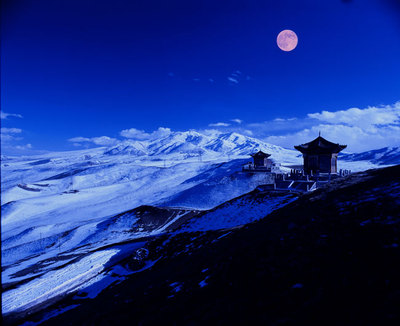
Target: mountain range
{"x":382,"y":156}
{"x":195,"y":144}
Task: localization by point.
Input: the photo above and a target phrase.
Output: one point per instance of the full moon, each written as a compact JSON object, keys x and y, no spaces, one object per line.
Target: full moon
{"x":287,"y":40}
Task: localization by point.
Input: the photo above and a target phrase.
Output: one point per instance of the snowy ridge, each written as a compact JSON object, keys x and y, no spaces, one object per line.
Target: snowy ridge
{"x":239,"y":211}
{"x":382,"y":156}
{"x":194,"y":144}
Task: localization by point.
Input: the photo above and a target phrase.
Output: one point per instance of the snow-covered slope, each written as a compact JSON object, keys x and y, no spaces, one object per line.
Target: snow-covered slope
{"x":216,"y":185}
{"x":239,"y":211}
{"x":382,"y":156}
{"x":171,"y":268}
{"x":57,"y":207}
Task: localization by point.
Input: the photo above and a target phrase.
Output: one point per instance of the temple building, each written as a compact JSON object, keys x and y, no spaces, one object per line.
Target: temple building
{"x":260,"y":159}
{"x":261,"y":163}
{"x":320,"y":156}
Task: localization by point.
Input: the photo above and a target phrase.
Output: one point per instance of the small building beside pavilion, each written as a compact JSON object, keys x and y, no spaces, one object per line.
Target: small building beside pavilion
{"x":261,"y":163}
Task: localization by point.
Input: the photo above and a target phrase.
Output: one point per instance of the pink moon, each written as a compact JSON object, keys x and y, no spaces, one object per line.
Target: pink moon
{"x":287,"y":40}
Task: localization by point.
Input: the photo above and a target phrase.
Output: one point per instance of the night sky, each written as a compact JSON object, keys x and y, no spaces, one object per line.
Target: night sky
{"x":93,"y":68}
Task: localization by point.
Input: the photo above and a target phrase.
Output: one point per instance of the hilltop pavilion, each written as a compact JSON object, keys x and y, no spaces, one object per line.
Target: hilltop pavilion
{"x":320,"y":156}
{"x":260,"y":159}
{"x":261,"y":163}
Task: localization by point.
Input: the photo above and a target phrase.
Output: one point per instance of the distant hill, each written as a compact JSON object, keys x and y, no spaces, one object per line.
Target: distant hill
{"x":204,"y":146}
{"x":383,"y":156}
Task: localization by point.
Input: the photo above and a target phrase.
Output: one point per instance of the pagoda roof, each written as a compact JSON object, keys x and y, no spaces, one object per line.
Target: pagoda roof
{"x":320,"y":146}
{"x":260,"y":154}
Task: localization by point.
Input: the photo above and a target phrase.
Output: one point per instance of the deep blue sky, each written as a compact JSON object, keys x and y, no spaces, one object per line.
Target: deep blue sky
{"x":92,"y":68}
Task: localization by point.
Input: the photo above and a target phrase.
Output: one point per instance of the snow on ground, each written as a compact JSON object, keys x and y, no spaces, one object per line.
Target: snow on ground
{"x":358,"y":166}
{"x":243,"y":210}
{"x":54,"y":207}
{"x":59,"y":207}
{"x":55,"y":283}
{"x":216,"y":186}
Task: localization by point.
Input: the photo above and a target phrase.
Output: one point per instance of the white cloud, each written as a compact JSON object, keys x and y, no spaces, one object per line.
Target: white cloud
{"x":284,"y":120}
{"x":359,"y":129}
{"x":247,"y":132}
{"x":7,"y":138}
{"x":134,"y":133}
{"x":237,"y":77}
{"x":219,"y":124}
{"x":102,"y":140}
{"x":364,"y":118}
{"x":4,"y":115}
{"x":238,"y":121}
{"x":11,"y":130}
{"x":233,"y":80}
{"x":216,"y":132}
{"x":280,"y":126}
{"x":10,"y":142}
{"x":79,"y":139}
{"x":24,"y":147}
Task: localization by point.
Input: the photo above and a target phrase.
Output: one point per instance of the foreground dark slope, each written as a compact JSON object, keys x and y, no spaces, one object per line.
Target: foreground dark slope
{"x":330,"y":258}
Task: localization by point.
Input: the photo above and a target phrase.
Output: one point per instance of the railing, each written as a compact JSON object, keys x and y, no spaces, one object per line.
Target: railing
{"x":343,"y":173}
{"x":251,"y":167}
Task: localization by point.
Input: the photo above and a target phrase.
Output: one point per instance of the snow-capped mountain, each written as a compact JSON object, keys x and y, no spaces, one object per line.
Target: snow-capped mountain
{"x":195,"y":144}
{"x":382,"y":156}
{"x":136,"y":148}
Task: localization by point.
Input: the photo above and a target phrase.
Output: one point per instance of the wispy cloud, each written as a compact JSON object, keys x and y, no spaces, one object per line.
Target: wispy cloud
{"x":4,"y":115}
{"x":360,"y":129}
{"x":131,"y":133}
{"x":284,"y":120}
{"x":237,"y":77}
{"x":233,"y":80}
{"x":365,"y":118}
{"x":219,"y":124}
{"x":101,"y":141}
{"x":23,"y":147}
{"x":11,"y":141}
{"x":7,"y":139}
{"x":280,"y":126}
{"x":11,"y":130}
{"x":137,"y":134}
